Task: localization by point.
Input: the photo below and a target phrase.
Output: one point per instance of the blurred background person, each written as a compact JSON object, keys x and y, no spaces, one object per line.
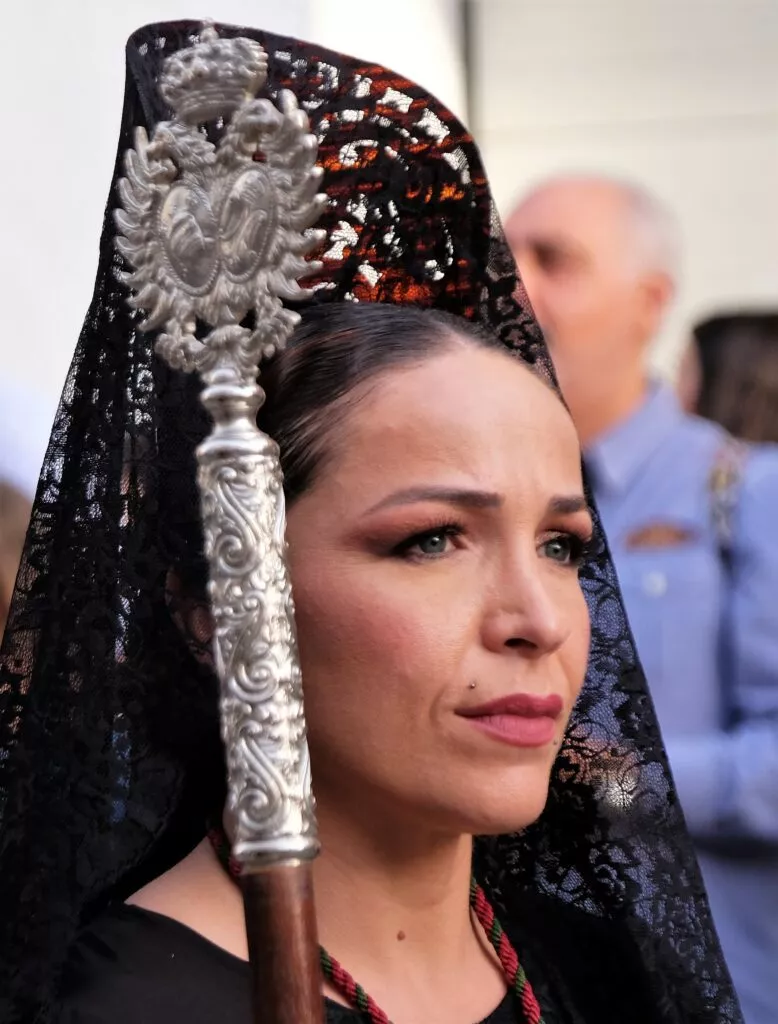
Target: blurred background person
{"x":15,"y":510}
{"x":729,"y":373}
{"x":690,"y":528}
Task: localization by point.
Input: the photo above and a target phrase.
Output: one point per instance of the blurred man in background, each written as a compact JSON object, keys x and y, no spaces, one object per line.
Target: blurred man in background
{"x":689,"y":520}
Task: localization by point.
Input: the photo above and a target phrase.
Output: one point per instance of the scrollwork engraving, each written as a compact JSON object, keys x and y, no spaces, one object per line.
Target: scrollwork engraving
{"x":212,"y":234}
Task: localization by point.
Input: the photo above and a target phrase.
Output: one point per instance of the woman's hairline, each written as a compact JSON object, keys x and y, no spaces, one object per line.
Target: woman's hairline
{"x":450,"y":340}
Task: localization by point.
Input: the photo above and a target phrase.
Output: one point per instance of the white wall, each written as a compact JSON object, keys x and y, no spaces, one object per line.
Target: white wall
{"x":420,"y":39}
{"x":61,"y":85}
{"x":681,"y":95}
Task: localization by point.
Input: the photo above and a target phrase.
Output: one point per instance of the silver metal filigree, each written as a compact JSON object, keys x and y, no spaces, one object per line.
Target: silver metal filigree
{"x":217,"y":234}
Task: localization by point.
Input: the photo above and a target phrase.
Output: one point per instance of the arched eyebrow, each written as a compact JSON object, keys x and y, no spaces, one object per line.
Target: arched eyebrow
{"x":560,"y":504}
{"x":568,"y":504}
{"x":463,"y":497}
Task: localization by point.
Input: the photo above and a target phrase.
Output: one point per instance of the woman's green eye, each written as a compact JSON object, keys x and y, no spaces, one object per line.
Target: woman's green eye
{"x":428,"y":543}
{"x":560,"y":549}
{"x":433,"y":544}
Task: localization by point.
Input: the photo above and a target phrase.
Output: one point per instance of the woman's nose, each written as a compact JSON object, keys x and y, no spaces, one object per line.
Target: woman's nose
{"x":528,"y":615}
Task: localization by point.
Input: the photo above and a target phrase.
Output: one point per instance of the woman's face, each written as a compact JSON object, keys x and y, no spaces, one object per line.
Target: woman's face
{"x":434,"y":567}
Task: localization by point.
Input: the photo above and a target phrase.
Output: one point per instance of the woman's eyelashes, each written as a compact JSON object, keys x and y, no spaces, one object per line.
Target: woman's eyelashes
{"x":568,"y":549}
{"x":432,"y":543}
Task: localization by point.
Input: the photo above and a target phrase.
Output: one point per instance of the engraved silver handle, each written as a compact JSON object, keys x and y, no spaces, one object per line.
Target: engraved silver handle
{"x":215,"y":236}
{"x":270,"y":805}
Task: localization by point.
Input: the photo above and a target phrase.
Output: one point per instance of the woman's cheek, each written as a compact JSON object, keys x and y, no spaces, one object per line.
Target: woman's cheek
{"x":394,"y":644}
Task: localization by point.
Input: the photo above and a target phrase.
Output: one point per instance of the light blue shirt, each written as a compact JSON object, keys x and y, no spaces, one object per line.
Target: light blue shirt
{"x":707,"y":635}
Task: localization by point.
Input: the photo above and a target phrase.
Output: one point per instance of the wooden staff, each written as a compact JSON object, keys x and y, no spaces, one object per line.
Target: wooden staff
{"x":216,"y":239}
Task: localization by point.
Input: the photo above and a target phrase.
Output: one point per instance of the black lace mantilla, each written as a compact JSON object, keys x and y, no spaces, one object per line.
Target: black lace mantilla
{"x":109,"y":750}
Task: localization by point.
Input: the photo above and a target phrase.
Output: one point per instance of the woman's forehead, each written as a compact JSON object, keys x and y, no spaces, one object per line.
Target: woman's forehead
{"x":471,"y":389}
{"x":475,"y":410}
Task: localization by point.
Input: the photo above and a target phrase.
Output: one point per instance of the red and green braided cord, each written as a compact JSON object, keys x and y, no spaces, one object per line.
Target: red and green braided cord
{"x":514,"y":972}
{"x":517,"y":980}
{"x":358,"y":998}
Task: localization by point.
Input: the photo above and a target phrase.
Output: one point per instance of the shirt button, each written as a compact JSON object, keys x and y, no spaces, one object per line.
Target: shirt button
{"x":655,"y":584}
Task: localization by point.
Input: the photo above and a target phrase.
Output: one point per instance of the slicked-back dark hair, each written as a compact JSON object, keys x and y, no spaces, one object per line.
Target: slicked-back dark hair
{"x":336,"y":349}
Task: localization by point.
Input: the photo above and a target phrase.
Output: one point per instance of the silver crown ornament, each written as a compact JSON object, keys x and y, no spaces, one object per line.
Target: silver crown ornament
{"x":216,"y":235}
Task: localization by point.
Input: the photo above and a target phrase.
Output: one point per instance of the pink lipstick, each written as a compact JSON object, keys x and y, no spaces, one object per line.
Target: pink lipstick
{"x":520,"y":720}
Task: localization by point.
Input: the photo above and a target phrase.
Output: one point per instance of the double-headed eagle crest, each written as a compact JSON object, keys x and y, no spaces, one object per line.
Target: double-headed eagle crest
{"x":217,"y":234}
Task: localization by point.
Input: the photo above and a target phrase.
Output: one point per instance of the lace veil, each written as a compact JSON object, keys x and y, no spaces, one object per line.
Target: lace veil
{"x":109,"y":748}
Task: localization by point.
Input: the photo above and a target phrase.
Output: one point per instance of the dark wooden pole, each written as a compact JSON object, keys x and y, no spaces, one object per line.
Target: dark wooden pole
{"x":283,"y":944}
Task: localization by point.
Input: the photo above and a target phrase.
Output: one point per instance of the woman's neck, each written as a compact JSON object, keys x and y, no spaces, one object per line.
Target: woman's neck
{"x":393,"y":906}
{"x":414,"y":886}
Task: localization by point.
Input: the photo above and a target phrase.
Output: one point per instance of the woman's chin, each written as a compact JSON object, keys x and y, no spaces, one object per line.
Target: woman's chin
{"x":501,"y":810}
{"x":505,"y":821}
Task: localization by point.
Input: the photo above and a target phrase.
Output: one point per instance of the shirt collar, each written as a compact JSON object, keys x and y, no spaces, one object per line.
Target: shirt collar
{"x":618,"y":456}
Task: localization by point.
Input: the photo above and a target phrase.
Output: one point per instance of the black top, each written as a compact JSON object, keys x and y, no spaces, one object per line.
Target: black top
{"x":131,"y":966}
{"x":136,"y":967}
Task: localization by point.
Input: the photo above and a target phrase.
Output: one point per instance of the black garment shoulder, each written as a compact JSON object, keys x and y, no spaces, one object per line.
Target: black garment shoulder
{"x":131,"y":966}
{"x":586,"y":969}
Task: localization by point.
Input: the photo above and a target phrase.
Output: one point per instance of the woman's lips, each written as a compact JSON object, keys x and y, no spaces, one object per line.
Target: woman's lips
{"x":520,"y":720}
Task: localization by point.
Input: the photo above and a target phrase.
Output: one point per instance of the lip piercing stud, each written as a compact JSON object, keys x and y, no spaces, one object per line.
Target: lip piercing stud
{"x":472,"y":686}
